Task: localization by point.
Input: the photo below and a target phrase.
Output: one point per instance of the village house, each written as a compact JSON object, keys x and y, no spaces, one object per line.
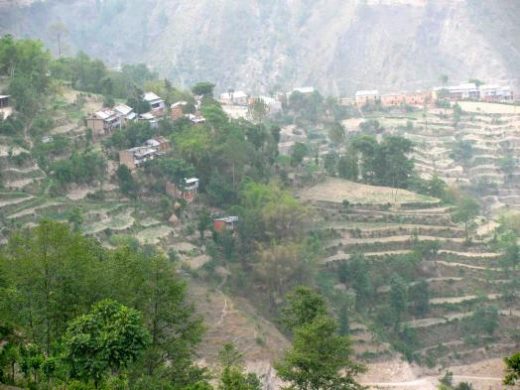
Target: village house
{"x":150,"y":118}
{"x":160,"y":143}
{"x":135,"y":157}
{"x":468,"y":91}
{"x":188,"y":190}
{"x":157,"y":104}
{"x":103,"y":122}
{"x":346,"y":101}
{"x":417,"y":98}
{"x":177,"y":110}
{"x":366,"y":97}
{"x":273,"y":106}
{"x":5,"y":107}
{"x":221,"y":225}
{"x":495,"y":93}
{"x":238,"y":98}
{"x":393,"y":99}
{"x":126,"y":113}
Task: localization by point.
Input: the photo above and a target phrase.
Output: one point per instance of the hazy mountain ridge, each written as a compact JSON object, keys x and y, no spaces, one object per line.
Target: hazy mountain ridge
{"x":336,"y":45}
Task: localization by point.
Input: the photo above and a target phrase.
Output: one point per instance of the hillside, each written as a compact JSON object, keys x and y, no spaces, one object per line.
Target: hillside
{"x":338,"y":46}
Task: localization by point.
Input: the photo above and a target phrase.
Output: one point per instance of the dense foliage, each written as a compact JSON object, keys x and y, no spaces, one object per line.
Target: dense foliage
{"x":53,"y":283}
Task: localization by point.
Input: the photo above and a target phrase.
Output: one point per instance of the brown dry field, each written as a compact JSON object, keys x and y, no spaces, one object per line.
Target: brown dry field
{"x":338,"y":190}
{"x":489,"y":108}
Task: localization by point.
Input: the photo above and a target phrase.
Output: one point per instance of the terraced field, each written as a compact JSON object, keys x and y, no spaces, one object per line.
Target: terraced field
{"x":491,"y":132}
{"x":461,"y":276}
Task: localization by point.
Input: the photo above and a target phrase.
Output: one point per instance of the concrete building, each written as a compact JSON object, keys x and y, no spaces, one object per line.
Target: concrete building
{"x":160,"y":143}
{"x":187,"y":190}
{"x":177,"y":110}
{"x":104,"y":122}
{"x":5,"y":107}
{"x":221,"y":225}
{"x":135,"y":157}
{"x":393,"y":99}
{"x":239,"y":98}
{"x":496,"y":93}
{"x":157,"y":104}
{"x":125,"y":112}
{"x":366,"y":97}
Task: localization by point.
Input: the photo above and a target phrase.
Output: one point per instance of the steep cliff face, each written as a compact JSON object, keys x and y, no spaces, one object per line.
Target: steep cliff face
{"x":336,"y":45}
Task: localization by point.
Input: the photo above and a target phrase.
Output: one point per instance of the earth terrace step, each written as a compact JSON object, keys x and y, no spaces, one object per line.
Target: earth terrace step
{"x":467,"y":266}
{"x":14,"y":201}
{"x":445,"y":254}
{"x":391,"y":243}
{"x":419,"y":219}
{"x":389,"y":207}
{"x":399,"y":230}
{"x":342,"y":257}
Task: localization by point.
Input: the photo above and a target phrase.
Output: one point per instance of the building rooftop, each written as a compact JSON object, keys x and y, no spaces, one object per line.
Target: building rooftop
{"x":230,"y":219}
{"x":150,"y":97}
{"x":148,"y":116}
{"x":123,"y":109}
{"x":371,"y":92}
{"x":179,"y":104}
{"x":105,"y":114}
{"x":142,"y":151}
{"x":191,"y":180}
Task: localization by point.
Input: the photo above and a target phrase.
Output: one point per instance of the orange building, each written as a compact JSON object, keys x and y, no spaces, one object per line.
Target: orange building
{"x":393,"y":99}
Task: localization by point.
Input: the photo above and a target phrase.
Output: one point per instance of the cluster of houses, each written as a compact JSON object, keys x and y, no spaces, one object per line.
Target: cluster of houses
{"x":467,"y":91}
{"x":106,"y":120}
{"x":237,"y":104}
{"x":135,"y":157}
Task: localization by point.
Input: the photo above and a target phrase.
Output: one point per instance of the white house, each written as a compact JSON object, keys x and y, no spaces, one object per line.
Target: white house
{"x":367,"y":97}
{"x":127,"y":113}
{"x":157,"y":104}
{"x":239,"y":98}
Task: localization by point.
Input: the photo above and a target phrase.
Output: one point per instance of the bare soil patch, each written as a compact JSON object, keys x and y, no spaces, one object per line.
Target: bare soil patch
{"x":337,"y":190}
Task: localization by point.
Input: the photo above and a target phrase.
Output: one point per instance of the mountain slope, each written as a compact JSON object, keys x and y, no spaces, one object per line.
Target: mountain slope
{"x":336,"y":45}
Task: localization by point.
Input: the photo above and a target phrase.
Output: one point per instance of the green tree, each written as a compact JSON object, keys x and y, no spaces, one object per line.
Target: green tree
{"x":203,"y":222}
{"x":360,"y":281}
{"x":149,"y":283}
{"x":298,"y":152}
{"x":303,"y":305}
{"x":127,"y":184}
{"x":337,"y":134}
{"x":50,"y":273}
{"x":258,"y":110}
{"x":110,"y":337}
{"x":330,"y":163}
{"x":348,"y":167}
{"x":319,"y":358}
{"x":512,"y":369}
{"x":398,"y":298}
{"x":343,"y":319}
{"x":233,"y":376}
{"x":203,"y":89}
{"x":58,"y":32}
{"x":420,"y":298}
{"x":466,"y":210}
